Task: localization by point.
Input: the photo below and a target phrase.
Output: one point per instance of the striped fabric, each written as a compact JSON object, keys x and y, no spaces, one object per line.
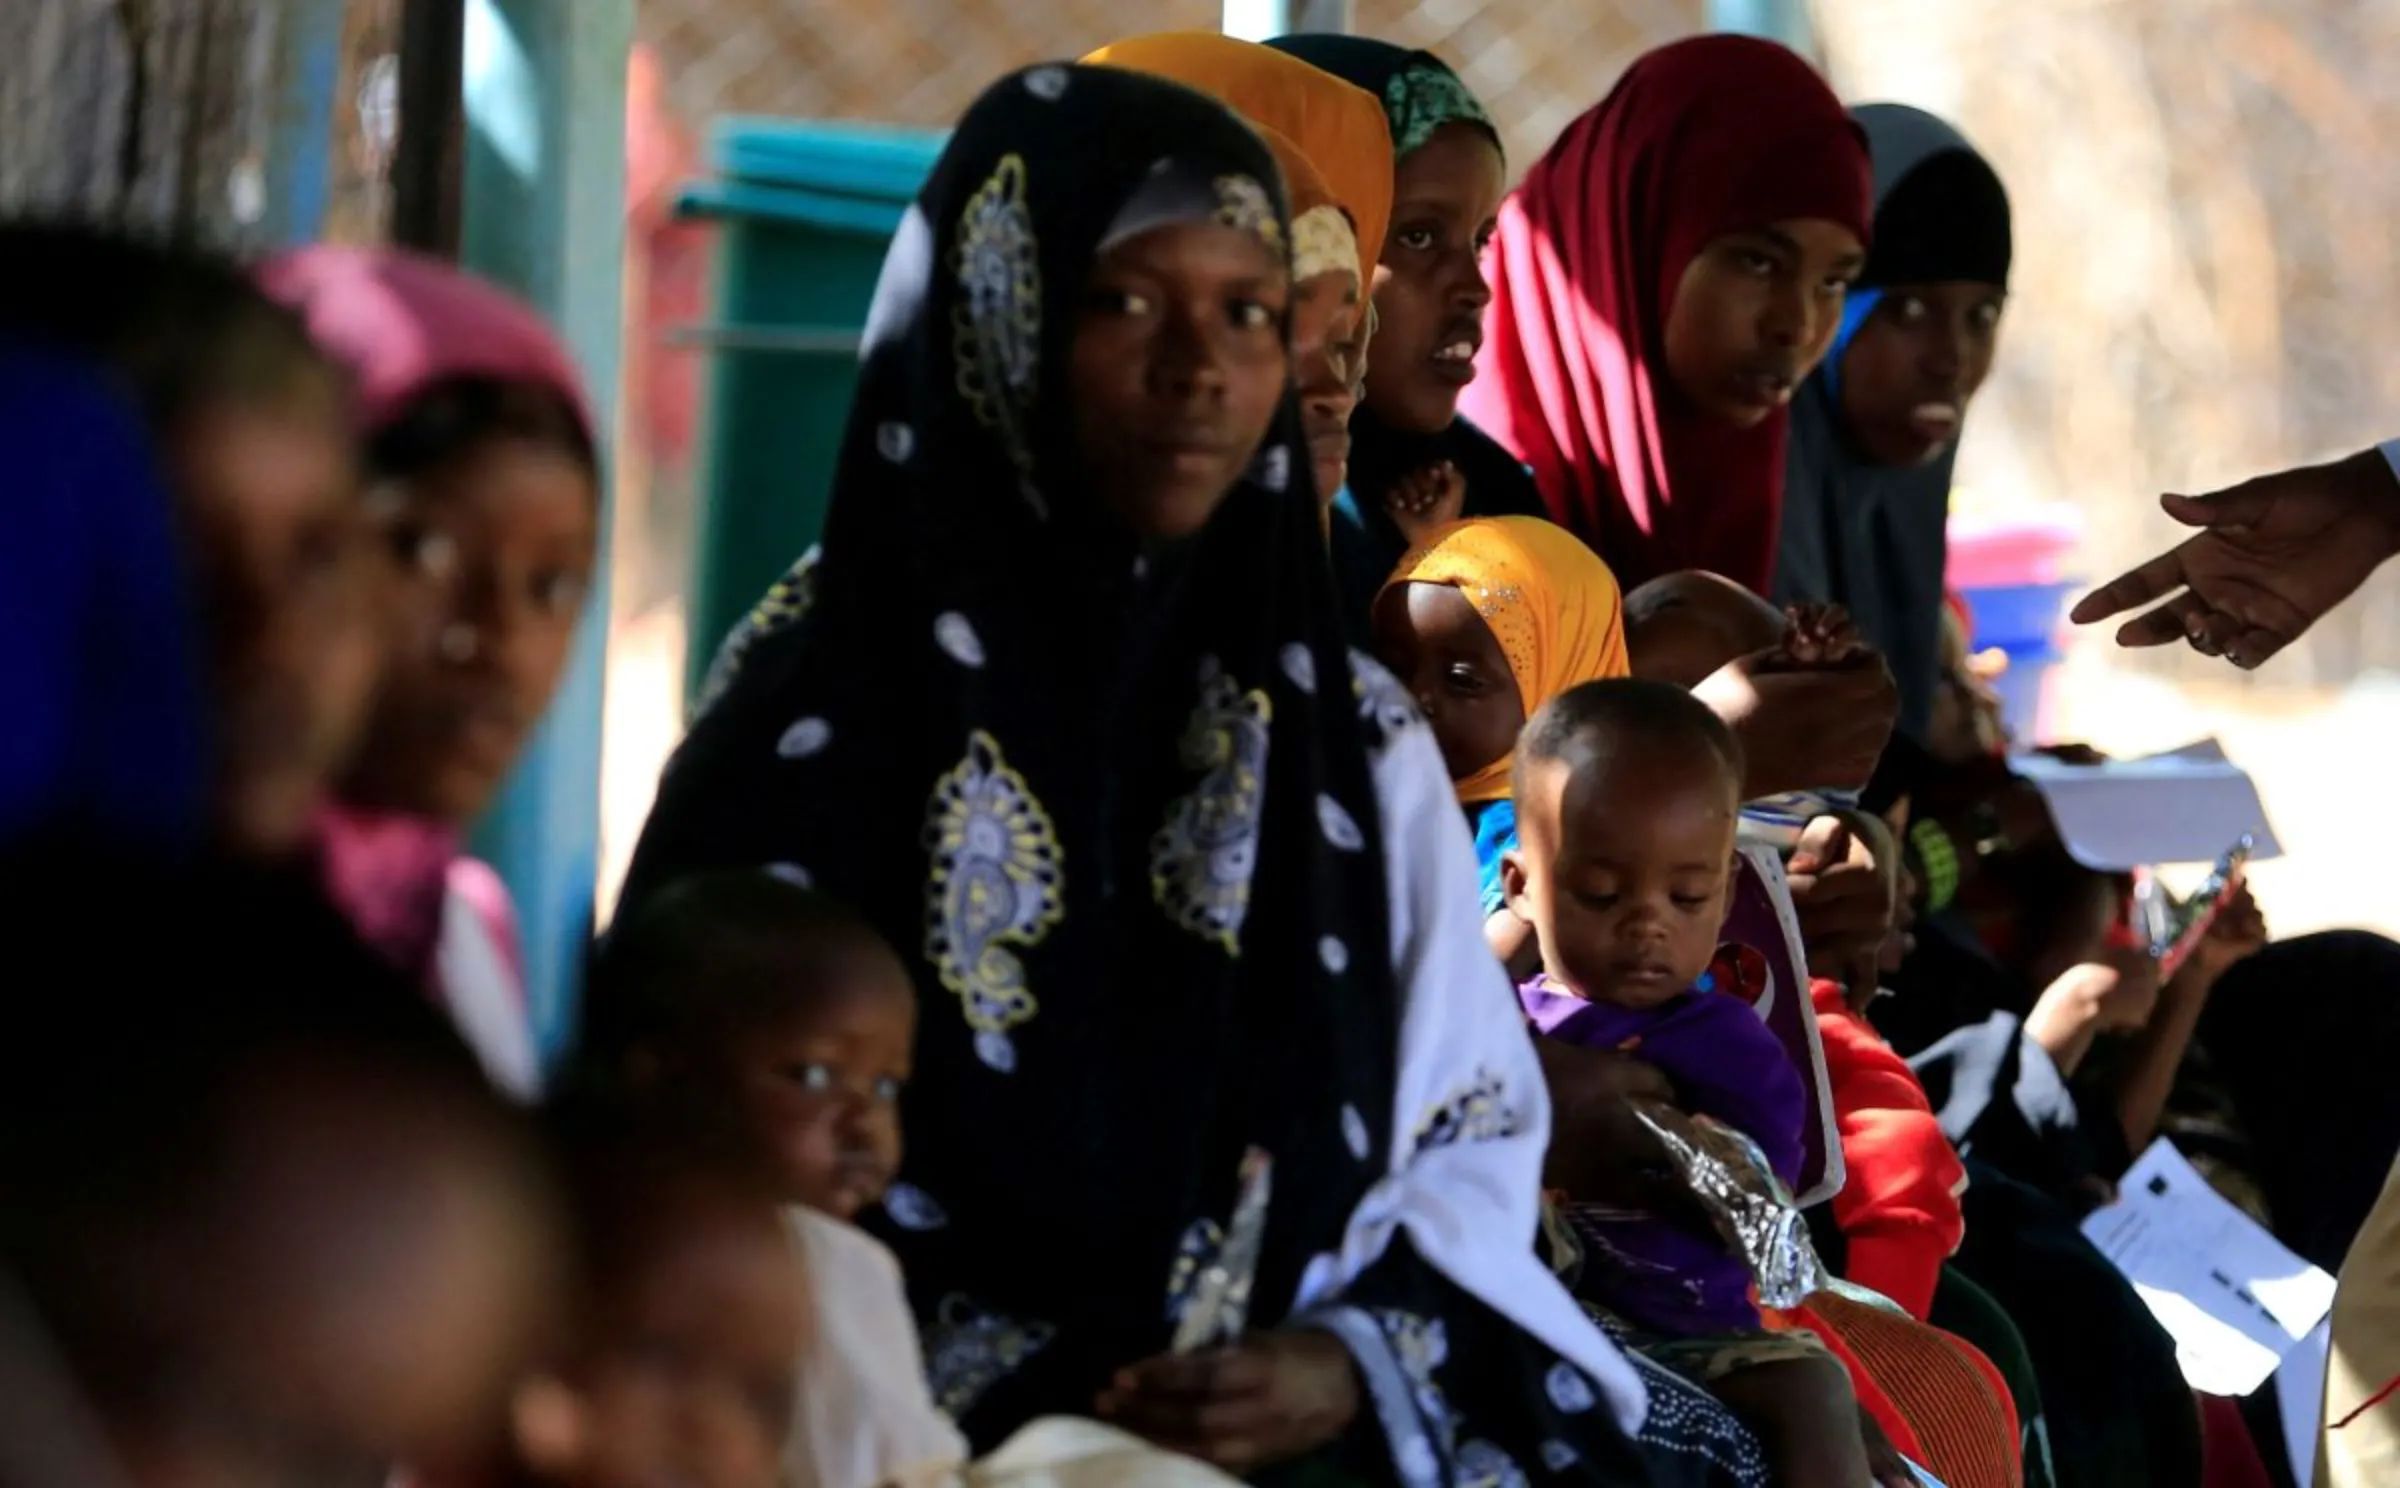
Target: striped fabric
{"x":1952,"y":1397}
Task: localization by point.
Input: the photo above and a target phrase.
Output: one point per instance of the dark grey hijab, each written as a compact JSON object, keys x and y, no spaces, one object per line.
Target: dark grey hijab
{"x":1870,"y":538}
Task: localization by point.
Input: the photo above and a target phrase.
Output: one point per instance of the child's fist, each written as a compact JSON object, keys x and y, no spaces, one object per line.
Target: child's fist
{"x":1426,"y":499}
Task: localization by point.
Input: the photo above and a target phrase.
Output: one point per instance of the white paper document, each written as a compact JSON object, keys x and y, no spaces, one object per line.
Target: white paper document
{"x":2189,"y":805}
{"x":2231,"y":1296}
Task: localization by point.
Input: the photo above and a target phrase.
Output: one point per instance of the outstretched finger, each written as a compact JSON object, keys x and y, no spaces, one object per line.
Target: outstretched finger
{"x":2163,"y":626}
{"x":2197,"y":621}
{"x":2219,"y":634}
{"x":2254,"y":647}
{"x":2153,"y":581}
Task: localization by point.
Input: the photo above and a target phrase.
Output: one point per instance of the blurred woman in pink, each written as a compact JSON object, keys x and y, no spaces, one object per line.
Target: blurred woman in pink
{"x":484,"y":476}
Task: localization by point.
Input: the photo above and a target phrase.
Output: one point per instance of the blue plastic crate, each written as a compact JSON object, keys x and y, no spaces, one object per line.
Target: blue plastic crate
{"x":2021,"y":619}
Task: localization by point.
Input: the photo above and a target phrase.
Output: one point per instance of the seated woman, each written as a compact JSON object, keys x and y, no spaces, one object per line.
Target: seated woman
{"x":1662,"y":281}
{"x":1066,"y":713}
{"x":1414,"y":463}
{"x":1875,"y":430}
{"x":475,"y":435}
{"x":1338,"y":133}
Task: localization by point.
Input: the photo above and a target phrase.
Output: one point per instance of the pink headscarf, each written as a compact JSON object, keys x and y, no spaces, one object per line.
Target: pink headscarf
{"x":399,"y":322}
{"x":1700,"y":138}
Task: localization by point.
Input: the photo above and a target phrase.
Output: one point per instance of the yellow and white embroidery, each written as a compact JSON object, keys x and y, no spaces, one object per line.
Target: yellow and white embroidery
{"x":969,"y":1348}
{"x":1478,"y":1111}
{"x":997,"y":326}
{"x":785,"y":604}
{"x":1323,"y":243}
{"x":1202,"y":858}
{"x":1243,"y":204}
{"x":1421,"y":1346}
{"x":996,"y":883}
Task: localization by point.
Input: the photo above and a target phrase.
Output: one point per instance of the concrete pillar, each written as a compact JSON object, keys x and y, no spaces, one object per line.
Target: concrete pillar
{"x":1777,"y":20}
{"x":1256,"y":20}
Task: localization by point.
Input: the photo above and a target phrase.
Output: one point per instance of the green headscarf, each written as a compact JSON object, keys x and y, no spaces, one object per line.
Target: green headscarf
{"x":1419,"y":91}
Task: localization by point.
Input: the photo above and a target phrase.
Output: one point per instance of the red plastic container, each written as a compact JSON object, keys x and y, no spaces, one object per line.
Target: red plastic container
{"x":2010,"y":552}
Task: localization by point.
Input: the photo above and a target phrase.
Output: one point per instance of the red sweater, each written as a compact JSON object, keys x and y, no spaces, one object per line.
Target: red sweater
{"x":1898,"y":1206}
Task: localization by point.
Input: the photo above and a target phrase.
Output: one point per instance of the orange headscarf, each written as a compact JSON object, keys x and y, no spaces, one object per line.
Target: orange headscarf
{"x":1340,"y":128}
{"x":1322,"y":239}
{"x":1549,"y":600}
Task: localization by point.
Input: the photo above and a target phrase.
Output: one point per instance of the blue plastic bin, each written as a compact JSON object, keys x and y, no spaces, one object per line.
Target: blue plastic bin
{"x":2023,"y":621}
{"x":2023,"y":689}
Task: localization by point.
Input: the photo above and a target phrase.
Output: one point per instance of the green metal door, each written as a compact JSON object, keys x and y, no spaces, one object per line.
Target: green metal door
{"x":805,"y":211}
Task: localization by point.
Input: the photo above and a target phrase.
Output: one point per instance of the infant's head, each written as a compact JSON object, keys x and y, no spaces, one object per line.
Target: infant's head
{"x":769,"y":1013}
{"x":266,"y":1211}
{"x":679,"y":1362}
{"x":1627,"y":794}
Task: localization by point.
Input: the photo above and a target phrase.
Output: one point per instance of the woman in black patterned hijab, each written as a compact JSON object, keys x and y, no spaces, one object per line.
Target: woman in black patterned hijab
{"x":1066,"y":711}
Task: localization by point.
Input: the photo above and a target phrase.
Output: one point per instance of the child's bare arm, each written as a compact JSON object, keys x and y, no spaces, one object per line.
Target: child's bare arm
{"x":1808,"y":1419}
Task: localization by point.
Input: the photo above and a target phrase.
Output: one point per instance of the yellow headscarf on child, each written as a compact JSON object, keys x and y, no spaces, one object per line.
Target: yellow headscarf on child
{"x":1549,"y":600}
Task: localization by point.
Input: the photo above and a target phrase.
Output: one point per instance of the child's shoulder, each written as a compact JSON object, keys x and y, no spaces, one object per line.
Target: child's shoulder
{"x":1722,"y":1014}
{"x":836,"y":1249}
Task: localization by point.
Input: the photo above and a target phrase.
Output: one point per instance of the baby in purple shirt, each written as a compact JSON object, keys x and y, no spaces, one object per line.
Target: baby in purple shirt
{"x":1627,"y":796}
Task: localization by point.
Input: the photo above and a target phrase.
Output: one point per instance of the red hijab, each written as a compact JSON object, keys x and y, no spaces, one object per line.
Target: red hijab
{"x":1700,"y":138}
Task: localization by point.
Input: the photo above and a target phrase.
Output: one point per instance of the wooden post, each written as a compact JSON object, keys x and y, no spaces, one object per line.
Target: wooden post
{"x":427,"y":190}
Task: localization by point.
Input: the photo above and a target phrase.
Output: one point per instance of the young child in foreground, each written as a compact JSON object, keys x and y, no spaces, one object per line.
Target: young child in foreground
{"x":741,"y":1004}
{"x":284,"y":1235}
{"x":1628,"y":793}
{"x":676,"y":1363}
{"x":1681,"y":629}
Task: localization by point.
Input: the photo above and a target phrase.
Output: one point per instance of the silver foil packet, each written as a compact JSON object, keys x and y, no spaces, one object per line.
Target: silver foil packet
{"x":1220,"y":1303}
{"x":1752,"y":1210}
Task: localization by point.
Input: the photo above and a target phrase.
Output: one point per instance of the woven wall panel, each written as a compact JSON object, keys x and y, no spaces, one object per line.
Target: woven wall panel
{"x":149,"y":112}
{"x":921,"y":61}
